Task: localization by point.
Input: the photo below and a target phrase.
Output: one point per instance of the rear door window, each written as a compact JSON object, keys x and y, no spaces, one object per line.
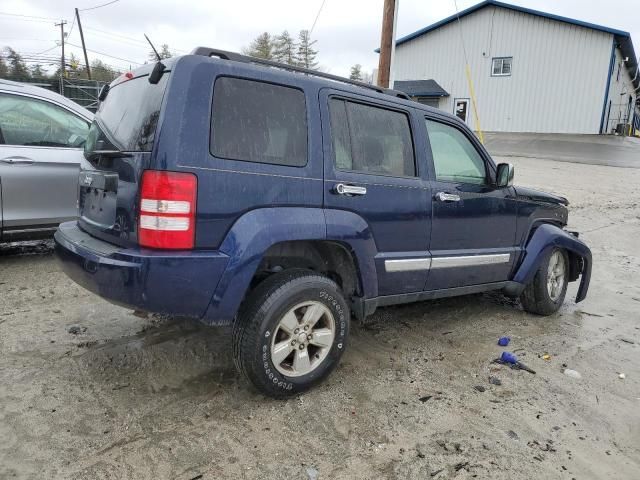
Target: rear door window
{"x":371,"y":139}
{"x":258,"y":122}
{"x":31,"y":122}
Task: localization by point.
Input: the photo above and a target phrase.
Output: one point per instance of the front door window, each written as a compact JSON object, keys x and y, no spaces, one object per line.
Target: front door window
{"x":455,"y":159}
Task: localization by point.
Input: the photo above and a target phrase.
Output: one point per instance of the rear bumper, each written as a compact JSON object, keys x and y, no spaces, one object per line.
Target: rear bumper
{"x":173,"y":283}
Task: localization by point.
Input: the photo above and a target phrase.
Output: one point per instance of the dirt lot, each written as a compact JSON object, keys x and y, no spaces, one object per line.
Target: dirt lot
{"x":157,"y":398}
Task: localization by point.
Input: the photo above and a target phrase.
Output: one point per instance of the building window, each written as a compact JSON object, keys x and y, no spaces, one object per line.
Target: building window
{"x":501,"y":67}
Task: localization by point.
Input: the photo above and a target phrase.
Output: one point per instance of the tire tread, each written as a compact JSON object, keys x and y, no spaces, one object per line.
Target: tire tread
{"x":246,"y":327}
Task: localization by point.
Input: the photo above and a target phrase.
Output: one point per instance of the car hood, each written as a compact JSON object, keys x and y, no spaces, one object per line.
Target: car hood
{"x":539,"y":196}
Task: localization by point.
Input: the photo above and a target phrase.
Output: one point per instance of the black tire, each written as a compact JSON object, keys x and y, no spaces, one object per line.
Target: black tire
{"x":536,"y":298}
{"x":260,"y":316}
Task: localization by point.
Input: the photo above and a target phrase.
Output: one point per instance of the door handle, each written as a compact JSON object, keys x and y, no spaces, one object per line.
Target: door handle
{"x":17,"y":160}
{"x":342,"y":189}
{"x":447,"y":197}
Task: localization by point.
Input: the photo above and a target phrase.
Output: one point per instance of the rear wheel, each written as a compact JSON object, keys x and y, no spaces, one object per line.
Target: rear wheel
{"x":291,"y":332}
{"x":546,"y":292}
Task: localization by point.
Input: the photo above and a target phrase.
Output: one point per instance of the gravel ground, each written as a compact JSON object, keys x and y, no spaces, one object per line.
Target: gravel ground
{"x":125,"y":397}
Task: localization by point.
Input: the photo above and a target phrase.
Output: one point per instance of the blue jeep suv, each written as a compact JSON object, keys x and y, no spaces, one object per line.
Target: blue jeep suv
{"x":284,"y":202}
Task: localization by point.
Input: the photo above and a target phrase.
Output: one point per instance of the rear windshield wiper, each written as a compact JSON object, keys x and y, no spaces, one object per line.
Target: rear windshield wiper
{"x":106,"y":153}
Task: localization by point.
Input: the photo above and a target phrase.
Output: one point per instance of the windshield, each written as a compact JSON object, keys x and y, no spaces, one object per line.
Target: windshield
{"x":126,"y":120}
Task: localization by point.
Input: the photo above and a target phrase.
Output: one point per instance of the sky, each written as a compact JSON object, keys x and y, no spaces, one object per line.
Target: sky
{"x":347,"y":31}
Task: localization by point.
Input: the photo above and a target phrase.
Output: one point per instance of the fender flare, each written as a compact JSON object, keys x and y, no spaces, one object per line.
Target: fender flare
{"x":544,"y":238}
{"x":353,"y":231}
{"x":257,"y":230}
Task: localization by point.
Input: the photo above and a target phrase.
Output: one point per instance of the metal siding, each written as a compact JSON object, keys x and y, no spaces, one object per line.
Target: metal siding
{"x":559,"y":71}
{"x":619,"y":91}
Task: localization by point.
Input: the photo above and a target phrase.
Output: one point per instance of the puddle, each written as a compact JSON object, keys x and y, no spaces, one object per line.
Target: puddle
{"x":166,"y":356}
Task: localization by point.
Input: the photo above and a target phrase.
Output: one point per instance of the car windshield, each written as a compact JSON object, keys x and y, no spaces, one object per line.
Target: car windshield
{"x":126,"y":120}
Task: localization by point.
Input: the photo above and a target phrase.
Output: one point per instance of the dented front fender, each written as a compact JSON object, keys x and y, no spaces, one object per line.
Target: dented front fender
{"x":544,"y":238}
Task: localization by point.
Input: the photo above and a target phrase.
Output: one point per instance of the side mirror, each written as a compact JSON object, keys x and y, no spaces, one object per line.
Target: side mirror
{"x":504,"y":176}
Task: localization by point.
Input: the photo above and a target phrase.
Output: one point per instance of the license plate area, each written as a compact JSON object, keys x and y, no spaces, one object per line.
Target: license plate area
{"x":98,"y":198}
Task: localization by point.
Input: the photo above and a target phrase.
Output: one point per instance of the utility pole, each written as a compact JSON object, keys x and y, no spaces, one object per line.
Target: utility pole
{"x":84,"y":49}
{"x":61,"y":25}
{"x":387,"y":42}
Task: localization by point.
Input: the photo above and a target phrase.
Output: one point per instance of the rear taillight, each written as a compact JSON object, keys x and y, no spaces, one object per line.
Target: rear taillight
{"x":167,"y":210}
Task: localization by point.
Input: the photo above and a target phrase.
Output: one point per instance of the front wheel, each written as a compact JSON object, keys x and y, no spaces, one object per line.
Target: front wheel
{"x":291,"y":332}
{"x":546,"y":292}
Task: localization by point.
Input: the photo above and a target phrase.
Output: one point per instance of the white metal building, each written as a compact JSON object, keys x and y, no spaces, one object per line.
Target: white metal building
{"x":531,"y":71}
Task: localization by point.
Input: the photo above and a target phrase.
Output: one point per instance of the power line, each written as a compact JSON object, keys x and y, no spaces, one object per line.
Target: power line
{"x":27,"y":58}
{"x":124,"y":37}
{"x":49,"y":19}
{"x":71,"y":29}
{"x":48,"y":50}
{"x":115,"y":35}
{"x":106,"y":54}
{"x":26,"y":39}
{"x":317,"y":16}
{"x":114,"y":39}
{"x":32,"y":20}
{"x":469,"y":79}
{"x":98,"y":6}
{"x":55,"y":61}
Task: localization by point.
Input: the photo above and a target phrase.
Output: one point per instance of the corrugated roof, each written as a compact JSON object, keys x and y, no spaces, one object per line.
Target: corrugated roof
{"x":623,"y":38}
{"x":420,"y":88}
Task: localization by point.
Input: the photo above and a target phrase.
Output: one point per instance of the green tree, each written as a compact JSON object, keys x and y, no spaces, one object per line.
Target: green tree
{"x":306,"y":55}
{"x":356,"y":72}
{"x":74,"y":70}
{"x":260,"y":47}
{"x":36,"y":71}
{"x":284,"y":48}
{"x":4,"y":70}
{"x":164,"y":52}
{"x":17,"y":67}
{"x":102,"y":72}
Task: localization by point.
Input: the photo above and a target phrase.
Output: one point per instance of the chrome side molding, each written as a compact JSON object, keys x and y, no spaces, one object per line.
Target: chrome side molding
{"x":426,"y":263}
{"x":470,"y":260}
{"x":407,"y":264}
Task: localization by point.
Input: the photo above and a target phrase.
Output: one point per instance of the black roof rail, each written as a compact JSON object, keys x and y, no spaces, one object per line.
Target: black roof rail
{"x":236,"y":57}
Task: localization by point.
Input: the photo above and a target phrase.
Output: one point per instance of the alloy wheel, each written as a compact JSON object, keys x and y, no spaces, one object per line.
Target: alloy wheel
{"x":302,"y":339}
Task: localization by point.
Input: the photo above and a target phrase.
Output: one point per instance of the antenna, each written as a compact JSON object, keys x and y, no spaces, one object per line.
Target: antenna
{"x":152,"y":47}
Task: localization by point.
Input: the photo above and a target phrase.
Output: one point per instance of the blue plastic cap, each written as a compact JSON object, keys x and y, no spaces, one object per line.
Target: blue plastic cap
{"x":504,"y":341}
{"x":508,"y":357}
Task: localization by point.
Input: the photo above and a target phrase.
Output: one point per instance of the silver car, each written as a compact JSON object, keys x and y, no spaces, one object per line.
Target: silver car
{"x":42,"y":135}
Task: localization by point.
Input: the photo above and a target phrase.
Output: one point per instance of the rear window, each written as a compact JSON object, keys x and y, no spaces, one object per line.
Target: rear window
{"x":259,"y":122}
{"x":127,"y":119}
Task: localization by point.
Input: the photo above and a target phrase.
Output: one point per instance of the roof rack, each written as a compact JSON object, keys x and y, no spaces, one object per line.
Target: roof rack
{"x":236,"y":57}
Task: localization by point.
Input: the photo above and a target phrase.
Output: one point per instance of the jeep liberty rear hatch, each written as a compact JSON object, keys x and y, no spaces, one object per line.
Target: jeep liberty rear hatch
{"x":119,"y":147}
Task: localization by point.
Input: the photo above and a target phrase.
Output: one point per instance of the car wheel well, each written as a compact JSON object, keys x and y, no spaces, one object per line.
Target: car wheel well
{"x":576,"y":264}
{"x":328,"y":258}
